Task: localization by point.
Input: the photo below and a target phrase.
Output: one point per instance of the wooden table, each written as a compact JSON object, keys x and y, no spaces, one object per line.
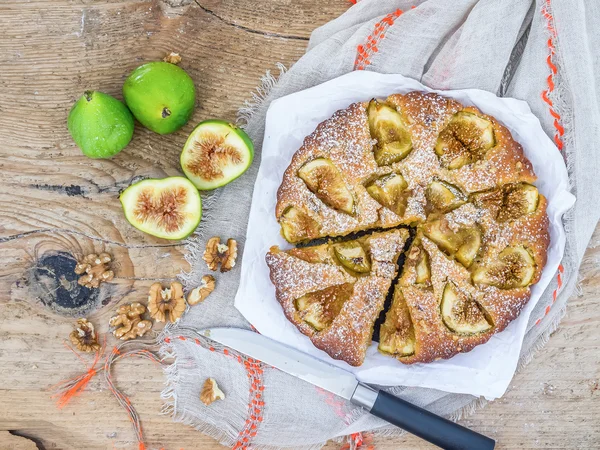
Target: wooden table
{"x":56,"y":203}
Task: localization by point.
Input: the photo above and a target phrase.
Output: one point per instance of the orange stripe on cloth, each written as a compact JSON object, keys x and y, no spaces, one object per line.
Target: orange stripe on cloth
{"x":366,"y":50}
{"x":560,"y":131}
{"x":256,"y":404}
{"x":555,"y":292}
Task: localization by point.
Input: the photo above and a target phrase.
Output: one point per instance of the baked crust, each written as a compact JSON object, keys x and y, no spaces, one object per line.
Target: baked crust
{"x":433,"y":339}
{"x":345,"y":140}
{"x":302,"y":271}
{"x":489,"y":215}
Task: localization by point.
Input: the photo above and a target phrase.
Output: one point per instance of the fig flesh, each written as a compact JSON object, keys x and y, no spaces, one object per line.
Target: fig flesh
{"x":386,"y":124}
{"x":215,"y":154}
{"x":170,"y":208}
{"x":326,"y":182}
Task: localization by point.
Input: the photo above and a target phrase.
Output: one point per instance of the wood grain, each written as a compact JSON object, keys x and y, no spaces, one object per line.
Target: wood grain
{"x":55,"y":205}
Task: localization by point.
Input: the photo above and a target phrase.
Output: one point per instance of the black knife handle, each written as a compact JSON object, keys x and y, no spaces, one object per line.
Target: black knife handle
{"x":420,"y":422}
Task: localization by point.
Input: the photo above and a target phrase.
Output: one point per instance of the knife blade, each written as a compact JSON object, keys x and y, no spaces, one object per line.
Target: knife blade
{"x":418,"y":421}
{"x":286,"y":359}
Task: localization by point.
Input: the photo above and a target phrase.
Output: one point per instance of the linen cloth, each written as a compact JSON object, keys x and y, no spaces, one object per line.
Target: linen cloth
{"x":540,"y":51}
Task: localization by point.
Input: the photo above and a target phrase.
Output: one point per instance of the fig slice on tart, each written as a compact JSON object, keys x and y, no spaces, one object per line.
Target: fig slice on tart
{"x":444,"y":197}
{"x":388,"y":127}
{"x":297,"y":225}
{"x":465,"y":140}
{"x":390,"y":191}
{"x":216,"y":153}
{"x":514,"y":268}
{"x":325,"y":181}
{"x":353,"y":256}
{"x":462,"y":314}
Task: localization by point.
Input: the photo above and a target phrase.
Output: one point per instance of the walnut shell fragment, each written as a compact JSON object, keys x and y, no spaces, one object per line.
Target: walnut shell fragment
{"x":220,"y":254}
{"x":128,"y":322}
{"x":210,"y":392}
{"x":166,"y":304}
{"x":198,"y":295}
{"x":173,"y":58}
{"x":94,"y":269}
{"x":84,"y":337}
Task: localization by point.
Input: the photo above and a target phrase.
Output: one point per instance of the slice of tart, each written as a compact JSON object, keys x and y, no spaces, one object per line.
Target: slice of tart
{"x":334,"y":292}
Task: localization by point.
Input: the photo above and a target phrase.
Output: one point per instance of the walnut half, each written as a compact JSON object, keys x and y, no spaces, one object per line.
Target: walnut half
{"x":94,"y":269}
{"x":210,"y":392}
{"x":84,"y":337}
{"x":198,"y":295}
{"x":128,"y":322}
{"x":220,"y":254}
{"x":166,"y":304}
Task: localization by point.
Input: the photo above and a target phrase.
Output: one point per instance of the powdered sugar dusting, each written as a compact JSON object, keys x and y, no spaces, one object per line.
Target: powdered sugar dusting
{"x":349,"y":335}
{"x":345,"y":140}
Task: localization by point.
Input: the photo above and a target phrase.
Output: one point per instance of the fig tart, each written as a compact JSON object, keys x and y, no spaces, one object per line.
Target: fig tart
{"x":452,"y":174}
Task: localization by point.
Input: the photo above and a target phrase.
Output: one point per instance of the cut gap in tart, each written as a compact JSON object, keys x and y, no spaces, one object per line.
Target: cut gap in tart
{"x":397,"y":334}
{"x":465,"y":140}
{"x":513,"y":268}
{"x":324,"y":180}
{"x":390,"y":191}
{"x":461,"y":314}
{"x":388,"y":127}
{"x":463,"y":244}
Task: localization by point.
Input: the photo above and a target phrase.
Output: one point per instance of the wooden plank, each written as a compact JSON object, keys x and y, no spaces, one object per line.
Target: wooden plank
{"x":56,"y":204}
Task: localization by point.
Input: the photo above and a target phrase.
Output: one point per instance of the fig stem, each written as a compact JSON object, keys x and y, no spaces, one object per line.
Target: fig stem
{"x":88,"y":95}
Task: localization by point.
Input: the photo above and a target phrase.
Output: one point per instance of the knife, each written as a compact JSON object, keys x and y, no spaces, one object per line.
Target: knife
{"x":418,"y":421}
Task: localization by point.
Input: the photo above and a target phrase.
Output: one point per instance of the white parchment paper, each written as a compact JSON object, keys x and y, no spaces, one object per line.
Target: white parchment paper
{"x":485,"y":371}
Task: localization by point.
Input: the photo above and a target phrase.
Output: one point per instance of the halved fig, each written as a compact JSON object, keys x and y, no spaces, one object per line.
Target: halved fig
{"x":326,"y":182}
{"x":464,"y":140}
{"x":216,"y":153}
{"x":296,"y":225}
{"x":318,"y":309}
{"x":390,"y":191}
{"x":513,"y":268}
{"x":462,"y":314}
{"x":353,"y":256}
{"x":386,"y":124}
{"x":463,"y":243}
{"x":169,"y":208}
{"x":444,"y":197}
{"x":397,"y":334}
{"x":519,"y":199}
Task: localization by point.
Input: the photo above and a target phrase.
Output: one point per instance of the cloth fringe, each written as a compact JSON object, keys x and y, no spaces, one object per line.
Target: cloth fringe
{"x":169,"y":395}
{"x":262,"y":91}
{"x":193,"y":253}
